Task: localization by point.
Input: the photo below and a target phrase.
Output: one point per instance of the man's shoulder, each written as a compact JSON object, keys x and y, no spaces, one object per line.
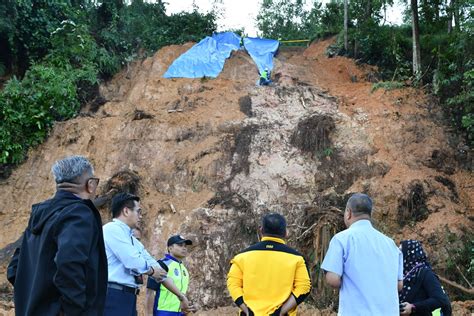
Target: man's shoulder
{"x":111,"y":227}
{"x":343,"y":235}
{"x":167,"y":261}
{"x":271,"y":246}
{"x":384,"y":237}
{"x":64,"y":209}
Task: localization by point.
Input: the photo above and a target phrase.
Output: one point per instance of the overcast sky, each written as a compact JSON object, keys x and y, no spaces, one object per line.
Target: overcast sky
{"x":242,"y":13}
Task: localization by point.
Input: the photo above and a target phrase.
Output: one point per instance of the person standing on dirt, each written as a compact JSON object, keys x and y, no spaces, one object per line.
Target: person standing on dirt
{"x":127,"y":258}
{"x":168,"y":298}
{"x":61,"y":266}
{"x":364,"y":264}
{"x":269,"y":278}
{"x":265,"y":77}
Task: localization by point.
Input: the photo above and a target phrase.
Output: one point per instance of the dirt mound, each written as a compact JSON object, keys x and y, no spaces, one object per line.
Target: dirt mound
{"x":210,"y":156}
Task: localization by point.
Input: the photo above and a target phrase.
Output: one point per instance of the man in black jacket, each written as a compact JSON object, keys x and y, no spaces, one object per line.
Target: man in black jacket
{"x":61,"y":266}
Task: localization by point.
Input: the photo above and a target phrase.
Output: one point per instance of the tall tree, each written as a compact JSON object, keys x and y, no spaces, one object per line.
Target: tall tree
{"x":346,"y":22}
{"x":450,"y":16}
{"x":416,"y":38}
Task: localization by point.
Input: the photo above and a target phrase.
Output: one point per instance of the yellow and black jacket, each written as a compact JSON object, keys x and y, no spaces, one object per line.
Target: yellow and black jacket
{"x":264,"y":276}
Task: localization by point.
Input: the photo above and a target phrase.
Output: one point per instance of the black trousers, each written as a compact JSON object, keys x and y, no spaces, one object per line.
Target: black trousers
{"x":120,"y":303}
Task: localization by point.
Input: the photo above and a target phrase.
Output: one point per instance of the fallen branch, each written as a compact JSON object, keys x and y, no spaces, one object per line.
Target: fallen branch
{"x":458,"y":286}
{"x":309,"y":229}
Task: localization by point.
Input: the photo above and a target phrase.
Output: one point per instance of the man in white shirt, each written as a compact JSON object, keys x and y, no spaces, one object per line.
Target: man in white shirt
{"x":127,"y":259}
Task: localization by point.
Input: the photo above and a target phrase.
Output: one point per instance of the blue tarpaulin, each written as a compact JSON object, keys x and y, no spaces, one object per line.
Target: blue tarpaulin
{"x":206,"y":58}
{"x":262,"y":51}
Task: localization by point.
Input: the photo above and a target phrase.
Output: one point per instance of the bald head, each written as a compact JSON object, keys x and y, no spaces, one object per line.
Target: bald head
{"x":360,"y":204}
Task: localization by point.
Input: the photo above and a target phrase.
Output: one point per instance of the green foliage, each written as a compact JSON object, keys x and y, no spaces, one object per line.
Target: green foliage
{"x":33,"y":22}
{"x":460,"y":262}
{"x":62,"y":49}
{"x":28,"y":109}
{"x":453,"y":81}
{"x":332,"y":17}
{"x":2,"y":70}
{"x":387,"y":85}
{"x":127,"y":29}
{"x":287,"y":20}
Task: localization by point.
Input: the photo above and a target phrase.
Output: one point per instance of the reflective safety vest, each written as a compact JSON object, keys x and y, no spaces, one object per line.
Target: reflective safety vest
{"x":165,"y":300}
{"x":264,"y":75}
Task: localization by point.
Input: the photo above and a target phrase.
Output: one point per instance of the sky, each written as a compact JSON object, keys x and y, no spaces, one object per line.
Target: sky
{"x":242,"y":13}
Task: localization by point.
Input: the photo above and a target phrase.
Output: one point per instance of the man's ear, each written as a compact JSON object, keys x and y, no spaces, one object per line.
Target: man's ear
{"x":349,"y":213}
{"x":88,"y":188}
{"x":125,"y":211}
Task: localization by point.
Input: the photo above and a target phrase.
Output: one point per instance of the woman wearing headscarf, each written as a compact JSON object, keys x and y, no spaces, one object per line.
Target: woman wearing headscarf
{"x":422,"y":293}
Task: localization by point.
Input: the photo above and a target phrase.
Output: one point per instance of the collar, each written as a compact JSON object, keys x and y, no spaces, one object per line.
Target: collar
{"x":123,"y":225}
{"x":275,"y":239}
{"x":61,"y":193}
{"x":361,"y":223}
{"x":168,"y":256}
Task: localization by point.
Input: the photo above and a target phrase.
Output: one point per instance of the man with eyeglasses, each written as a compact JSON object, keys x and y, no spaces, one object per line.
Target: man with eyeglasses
{"x":126,"y":257}
{"x":61,"y":266}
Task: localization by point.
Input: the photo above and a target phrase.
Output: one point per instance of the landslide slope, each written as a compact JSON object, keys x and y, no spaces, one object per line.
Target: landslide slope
{"x":210,"y":156}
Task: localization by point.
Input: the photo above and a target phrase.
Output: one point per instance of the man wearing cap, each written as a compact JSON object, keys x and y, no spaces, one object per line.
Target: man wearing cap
{"x":170,"y":298}
{"x":127,"y":258}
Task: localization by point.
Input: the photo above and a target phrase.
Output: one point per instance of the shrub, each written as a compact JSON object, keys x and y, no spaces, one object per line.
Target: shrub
{"x":64,"y":48}
{"x":28,"y":109}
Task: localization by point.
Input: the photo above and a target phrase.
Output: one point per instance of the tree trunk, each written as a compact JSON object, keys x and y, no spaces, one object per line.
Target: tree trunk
{"x":416,"y":39}
{"x":346,"y":22}
{"x":450,"y":16}
{"x":455,"y":9}
{"x":368,"y":10}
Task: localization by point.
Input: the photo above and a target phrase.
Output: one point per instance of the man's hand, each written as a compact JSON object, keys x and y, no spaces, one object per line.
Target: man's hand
{"x":185,"y":306}
{"x":289,"y":305}
{"x":244,"y":308}
{"x":191,"y":309}
{"x":407,"y":309}
{"x":159,"y":273}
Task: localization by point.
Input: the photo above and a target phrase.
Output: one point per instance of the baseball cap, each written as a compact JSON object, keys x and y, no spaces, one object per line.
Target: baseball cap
{"x":178,"y":239}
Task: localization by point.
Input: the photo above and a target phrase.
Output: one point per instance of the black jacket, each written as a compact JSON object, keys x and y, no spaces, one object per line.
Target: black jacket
{"x":428,"y":295}
{"x":61,"y":264}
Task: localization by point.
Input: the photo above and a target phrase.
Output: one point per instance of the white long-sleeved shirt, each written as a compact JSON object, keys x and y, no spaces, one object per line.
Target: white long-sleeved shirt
{"x":126,"y":256}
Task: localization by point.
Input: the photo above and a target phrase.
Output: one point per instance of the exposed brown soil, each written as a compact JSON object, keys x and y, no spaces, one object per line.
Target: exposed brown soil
{"x":208,"y":158}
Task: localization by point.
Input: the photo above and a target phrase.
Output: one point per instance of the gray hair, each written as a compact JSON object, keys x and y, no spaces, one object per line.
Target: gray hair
{"x":70,"y":168}
{"x":359,"y":204}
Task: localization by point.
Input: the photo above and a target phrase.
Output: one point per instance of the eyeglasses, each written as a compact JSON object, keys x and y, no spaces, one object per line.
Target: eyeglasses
{"x":139,"y":211}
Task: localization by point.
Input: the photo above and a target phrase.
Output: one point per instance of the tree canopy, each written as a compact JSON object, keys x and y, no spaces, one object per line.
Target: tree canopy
{"x":56,"y":52}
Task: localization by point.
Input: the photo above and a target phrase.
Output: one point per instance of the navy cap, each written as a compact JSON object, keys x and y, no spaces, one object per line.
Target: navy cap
{"x":178,"y":239}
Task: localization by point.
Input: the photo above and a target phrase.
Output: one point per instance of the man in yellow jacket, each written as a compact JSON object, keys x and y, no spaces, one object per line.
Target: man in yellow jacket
{"x":269,"y":278}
